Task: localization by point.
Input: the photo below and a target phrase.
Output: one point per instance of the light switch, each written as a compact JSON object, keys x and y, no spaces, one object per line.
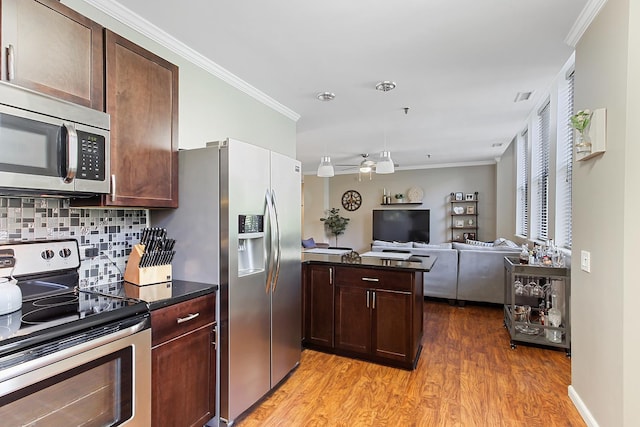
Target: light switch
{"x":585,"y":261}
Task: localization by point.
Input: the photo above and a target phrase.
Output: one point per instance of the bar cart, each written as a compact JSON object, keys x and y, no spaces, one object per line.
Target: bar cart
{"x":537,"y":304}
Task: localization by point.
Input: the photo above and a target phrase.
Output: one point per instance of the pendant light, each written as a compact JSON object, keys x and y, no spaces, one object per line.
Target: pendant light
{"x":325,"y":168}
{"x":385,"y":164}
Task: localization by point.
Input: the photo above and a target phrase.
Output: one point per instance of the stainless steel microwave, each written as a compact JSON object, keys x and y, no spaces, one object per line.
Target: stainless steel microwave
{"x":51,"y":147}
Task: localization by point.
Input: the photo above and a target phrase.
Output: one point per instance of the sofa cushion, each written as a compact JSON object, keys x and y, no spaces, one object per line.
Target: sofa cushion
{"x":393,"y":244}
{"x":430,"y":246}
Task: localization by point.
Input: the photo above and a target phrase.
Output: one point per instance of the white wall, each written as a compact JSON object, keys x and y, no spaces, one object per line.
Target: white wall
{"x":605,"y":344}
{"x":436,"y":184}
{"x":506,"y":194}
{"x":210,"y":109}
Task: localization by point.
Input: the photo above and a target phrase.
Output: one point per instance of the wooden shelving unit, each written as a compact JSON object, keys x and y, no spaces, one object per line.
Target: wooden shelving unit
{"x":464,"y":216}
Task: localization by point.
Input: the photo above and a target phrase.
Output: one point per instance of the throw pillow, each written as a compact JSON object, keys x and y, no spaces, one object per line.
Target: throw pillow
{"x":479,"y":243}
{"x":501,"y":241}
{"x":309,"y":243}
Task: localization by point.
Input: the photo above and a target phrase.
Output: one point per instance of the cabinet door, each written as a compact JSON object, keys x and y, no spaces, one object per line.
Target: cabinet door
{"x":319,"y":305}
{"x":392,"y":325}
{"x":182,"y":377}
{"x":353,"y":319}
{"x":142,"y":98}
{"x":50,"y":48}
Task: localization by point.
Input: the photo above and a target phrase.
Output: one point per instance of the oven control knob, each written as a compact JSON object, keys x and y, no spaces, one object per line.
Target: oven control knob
{"x":65,"y":253}
{"x":47,"y":254}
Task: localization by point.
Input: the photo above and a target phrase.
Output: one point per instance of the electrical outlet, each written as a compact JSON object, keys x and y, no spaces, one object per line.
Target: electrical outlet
{"x":585,"y":261}
{"x":87,"y":251}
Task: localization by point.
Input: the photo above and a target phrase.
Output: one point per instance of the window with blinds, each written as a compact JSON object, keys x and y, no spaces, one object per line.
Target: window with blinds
{"x":541,"y":173}
{"x":522,"y":191}
{"x":564,"y":163}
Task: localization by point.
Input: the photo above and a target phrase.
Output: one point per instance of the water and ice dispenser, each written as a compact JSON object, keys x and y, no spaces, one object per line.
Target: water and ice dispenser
{"x":251,"y":245}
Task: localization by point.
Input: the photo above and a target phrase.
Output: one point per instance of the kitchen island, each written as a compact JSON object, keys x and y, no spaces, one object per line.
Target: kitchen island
{"x":365,"y":306}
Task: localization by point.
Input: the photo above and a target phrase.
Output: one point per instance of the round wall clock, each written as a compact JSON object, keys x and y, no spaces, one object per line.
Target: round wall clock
{"x":351,"y":200}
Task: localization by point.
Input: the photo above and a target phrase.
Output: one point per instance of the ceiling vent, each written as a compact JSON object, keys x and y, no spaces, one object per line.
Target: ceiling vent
{"x":522,"y":96}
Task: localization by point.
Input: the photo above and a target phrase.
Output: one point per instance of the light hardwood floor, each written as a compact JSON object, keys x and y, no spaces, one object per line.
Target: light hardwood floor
{"x":467,"y":375}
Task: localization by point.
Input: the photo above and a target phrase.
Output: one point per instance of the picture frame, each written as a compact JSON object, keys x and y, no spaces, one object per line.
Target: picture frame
{"x":469,"y":236}
{"x":459,"y":196}
{"x":469,"y":196}
{"x":471,"y":210}
{"x":459,"y":223}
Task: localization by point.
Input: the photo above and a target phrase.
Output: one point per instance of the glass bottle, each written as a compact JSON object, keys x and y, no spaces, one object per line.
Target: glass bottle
{"x":554,"y":318}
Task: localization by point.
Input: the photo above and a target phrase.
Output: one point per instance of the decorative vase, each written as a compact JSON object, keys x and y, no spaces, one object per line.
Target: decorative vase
{"x":583,"y":143}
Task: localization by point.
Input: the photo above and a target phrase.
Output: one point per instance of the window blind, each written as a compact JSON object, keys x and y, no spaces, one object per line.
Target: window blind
{"x":541,"y":173}
{"x":565,"y":164}
{"x":522,"y":213}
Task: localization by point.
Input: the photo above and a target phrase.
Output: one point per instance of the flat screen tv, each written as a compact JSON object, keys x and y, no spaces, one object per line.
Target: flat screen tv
{"x":401,"y":225}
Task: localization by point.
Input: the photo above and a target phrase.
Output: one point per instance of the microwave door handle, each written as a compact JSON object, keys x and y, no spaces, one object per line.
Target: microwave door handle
{"x":72,"y":152}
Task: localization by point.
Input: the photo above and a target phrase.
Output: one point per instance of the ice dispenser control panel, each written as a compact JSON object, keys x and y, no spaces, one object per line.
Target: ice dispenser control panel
{"x":251,"y":250}
{"x":250,"y":224}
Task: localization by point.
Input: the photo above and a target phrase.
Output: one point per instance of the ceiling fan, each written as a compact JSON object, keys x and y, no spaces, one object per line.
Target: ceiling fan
{"x":368,"y":166}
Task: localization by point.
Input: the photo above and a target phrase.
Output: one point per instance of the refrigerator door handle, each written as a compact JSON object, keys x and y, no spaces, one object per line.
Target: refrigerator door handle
{"x":270,"y":245}
{"x":277,"y":247}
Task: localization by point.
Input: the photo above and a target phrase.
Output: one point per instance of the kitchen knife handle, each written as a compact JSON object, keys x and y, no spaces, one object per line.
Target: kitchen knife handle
{"x":11,"y":63}
{"x":191,"y":316}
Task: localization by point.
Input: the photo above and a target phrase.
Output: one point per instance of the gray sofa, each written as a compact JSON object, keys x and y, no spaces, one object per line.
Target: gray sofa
{"x":463,"y":271}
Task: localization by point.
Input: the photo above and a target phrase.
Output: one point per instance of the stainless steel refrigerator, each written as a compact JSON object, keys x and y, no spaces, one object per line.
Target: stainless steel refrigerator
{"x":238,"y":225}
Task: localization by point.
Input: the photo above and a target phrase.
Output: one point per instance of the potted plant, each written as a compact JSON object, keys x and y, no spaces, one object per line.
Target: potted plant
{"x":335,"y":223}
{"x":581,"y":122}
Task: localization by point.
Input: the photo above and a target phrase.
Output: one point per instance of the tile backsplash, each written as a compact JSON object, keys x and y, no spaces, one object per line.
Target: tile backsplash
{"x":112,"y":231}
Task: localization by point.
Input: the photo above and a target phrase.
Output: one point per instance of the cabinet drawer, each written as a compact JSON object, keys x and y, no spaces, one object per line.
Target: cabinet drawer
{"x":374,"y":278}
{"x":175,"y":320}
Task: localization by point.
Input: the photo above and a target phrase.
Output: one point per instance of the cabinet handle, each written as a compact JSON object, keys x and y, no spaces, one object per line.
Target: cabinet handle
{"x":214,"y":343}
{"x":370,"y":279}
{"x":331,"y":275}
{"x":373,"y":306}
{"x":187,"y":318}
{"x":367,"y":299}
{"x":11,"y":63}
{"x":113,"y":186}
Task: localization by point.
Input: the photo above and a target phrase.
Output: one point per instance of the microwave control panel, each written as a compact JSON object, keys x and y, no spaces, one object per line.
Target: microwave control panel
{"x":91,"y":156}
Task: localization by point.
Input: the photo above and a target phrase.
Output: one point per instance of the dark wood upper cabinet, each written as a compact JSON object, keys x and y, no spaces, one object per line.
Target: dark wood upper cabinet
{"x":142,"y":99}
{"x":50,"y":48}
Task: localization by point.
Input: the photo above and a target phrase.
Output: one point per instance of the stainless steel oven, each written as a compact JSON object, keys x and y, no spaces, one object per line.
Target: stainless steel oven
{"x":70,"y":356}
{"x":50,"y":146}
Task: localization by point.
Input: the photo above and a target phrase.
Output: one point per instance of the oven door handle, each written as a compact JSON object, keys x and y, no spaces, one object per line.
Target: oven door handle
{"x":72,"y":350}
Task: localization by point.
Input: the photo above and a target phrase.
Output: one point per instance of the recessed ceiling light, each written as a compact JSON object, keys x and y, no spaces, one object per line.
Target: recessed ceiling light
{"x":325,"y":96}
{"x":522,"y":96}
{"x":385,"y":86}
{"x":496,"y":144}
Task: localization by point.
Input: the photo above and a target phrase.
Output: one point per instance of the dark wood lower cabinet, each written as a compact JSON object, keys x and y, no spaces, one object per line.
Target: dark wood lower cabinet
{"x":377,"y":313}
{"x":183,"y":363}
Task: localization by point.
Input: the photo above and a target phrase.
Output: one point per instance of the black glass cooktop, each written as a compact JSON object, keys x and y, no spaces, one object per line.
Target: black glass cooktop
{"x":54,"y":306}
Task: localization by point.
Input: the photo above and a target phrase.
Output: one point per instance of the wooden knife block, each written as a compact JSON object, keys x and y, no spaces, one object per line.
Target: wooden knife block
{"x":145,"y":275}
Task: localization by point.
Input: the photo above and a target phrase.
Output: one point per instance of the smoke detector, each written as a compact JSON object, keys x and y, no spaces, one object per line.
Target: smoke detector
{"x":385,"y":86}
{"x":326,"y":96}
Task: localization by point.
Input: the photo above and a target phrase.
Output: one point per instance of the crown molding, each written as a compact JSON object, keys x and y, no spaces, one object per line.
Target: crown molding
{"x":146,"y":28}
{"x":586,"y":17}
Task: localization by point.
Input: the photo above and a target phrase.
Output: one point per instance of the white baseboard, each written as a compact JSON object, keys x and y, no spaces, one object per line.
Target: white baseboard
{"x":582,"y":408}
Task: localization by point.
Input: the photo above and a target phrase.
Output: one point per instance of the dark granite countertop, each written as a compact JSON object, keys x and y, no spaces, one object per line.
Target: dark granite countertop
{"x":353,"y":259}
{"x":180,"y":290}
